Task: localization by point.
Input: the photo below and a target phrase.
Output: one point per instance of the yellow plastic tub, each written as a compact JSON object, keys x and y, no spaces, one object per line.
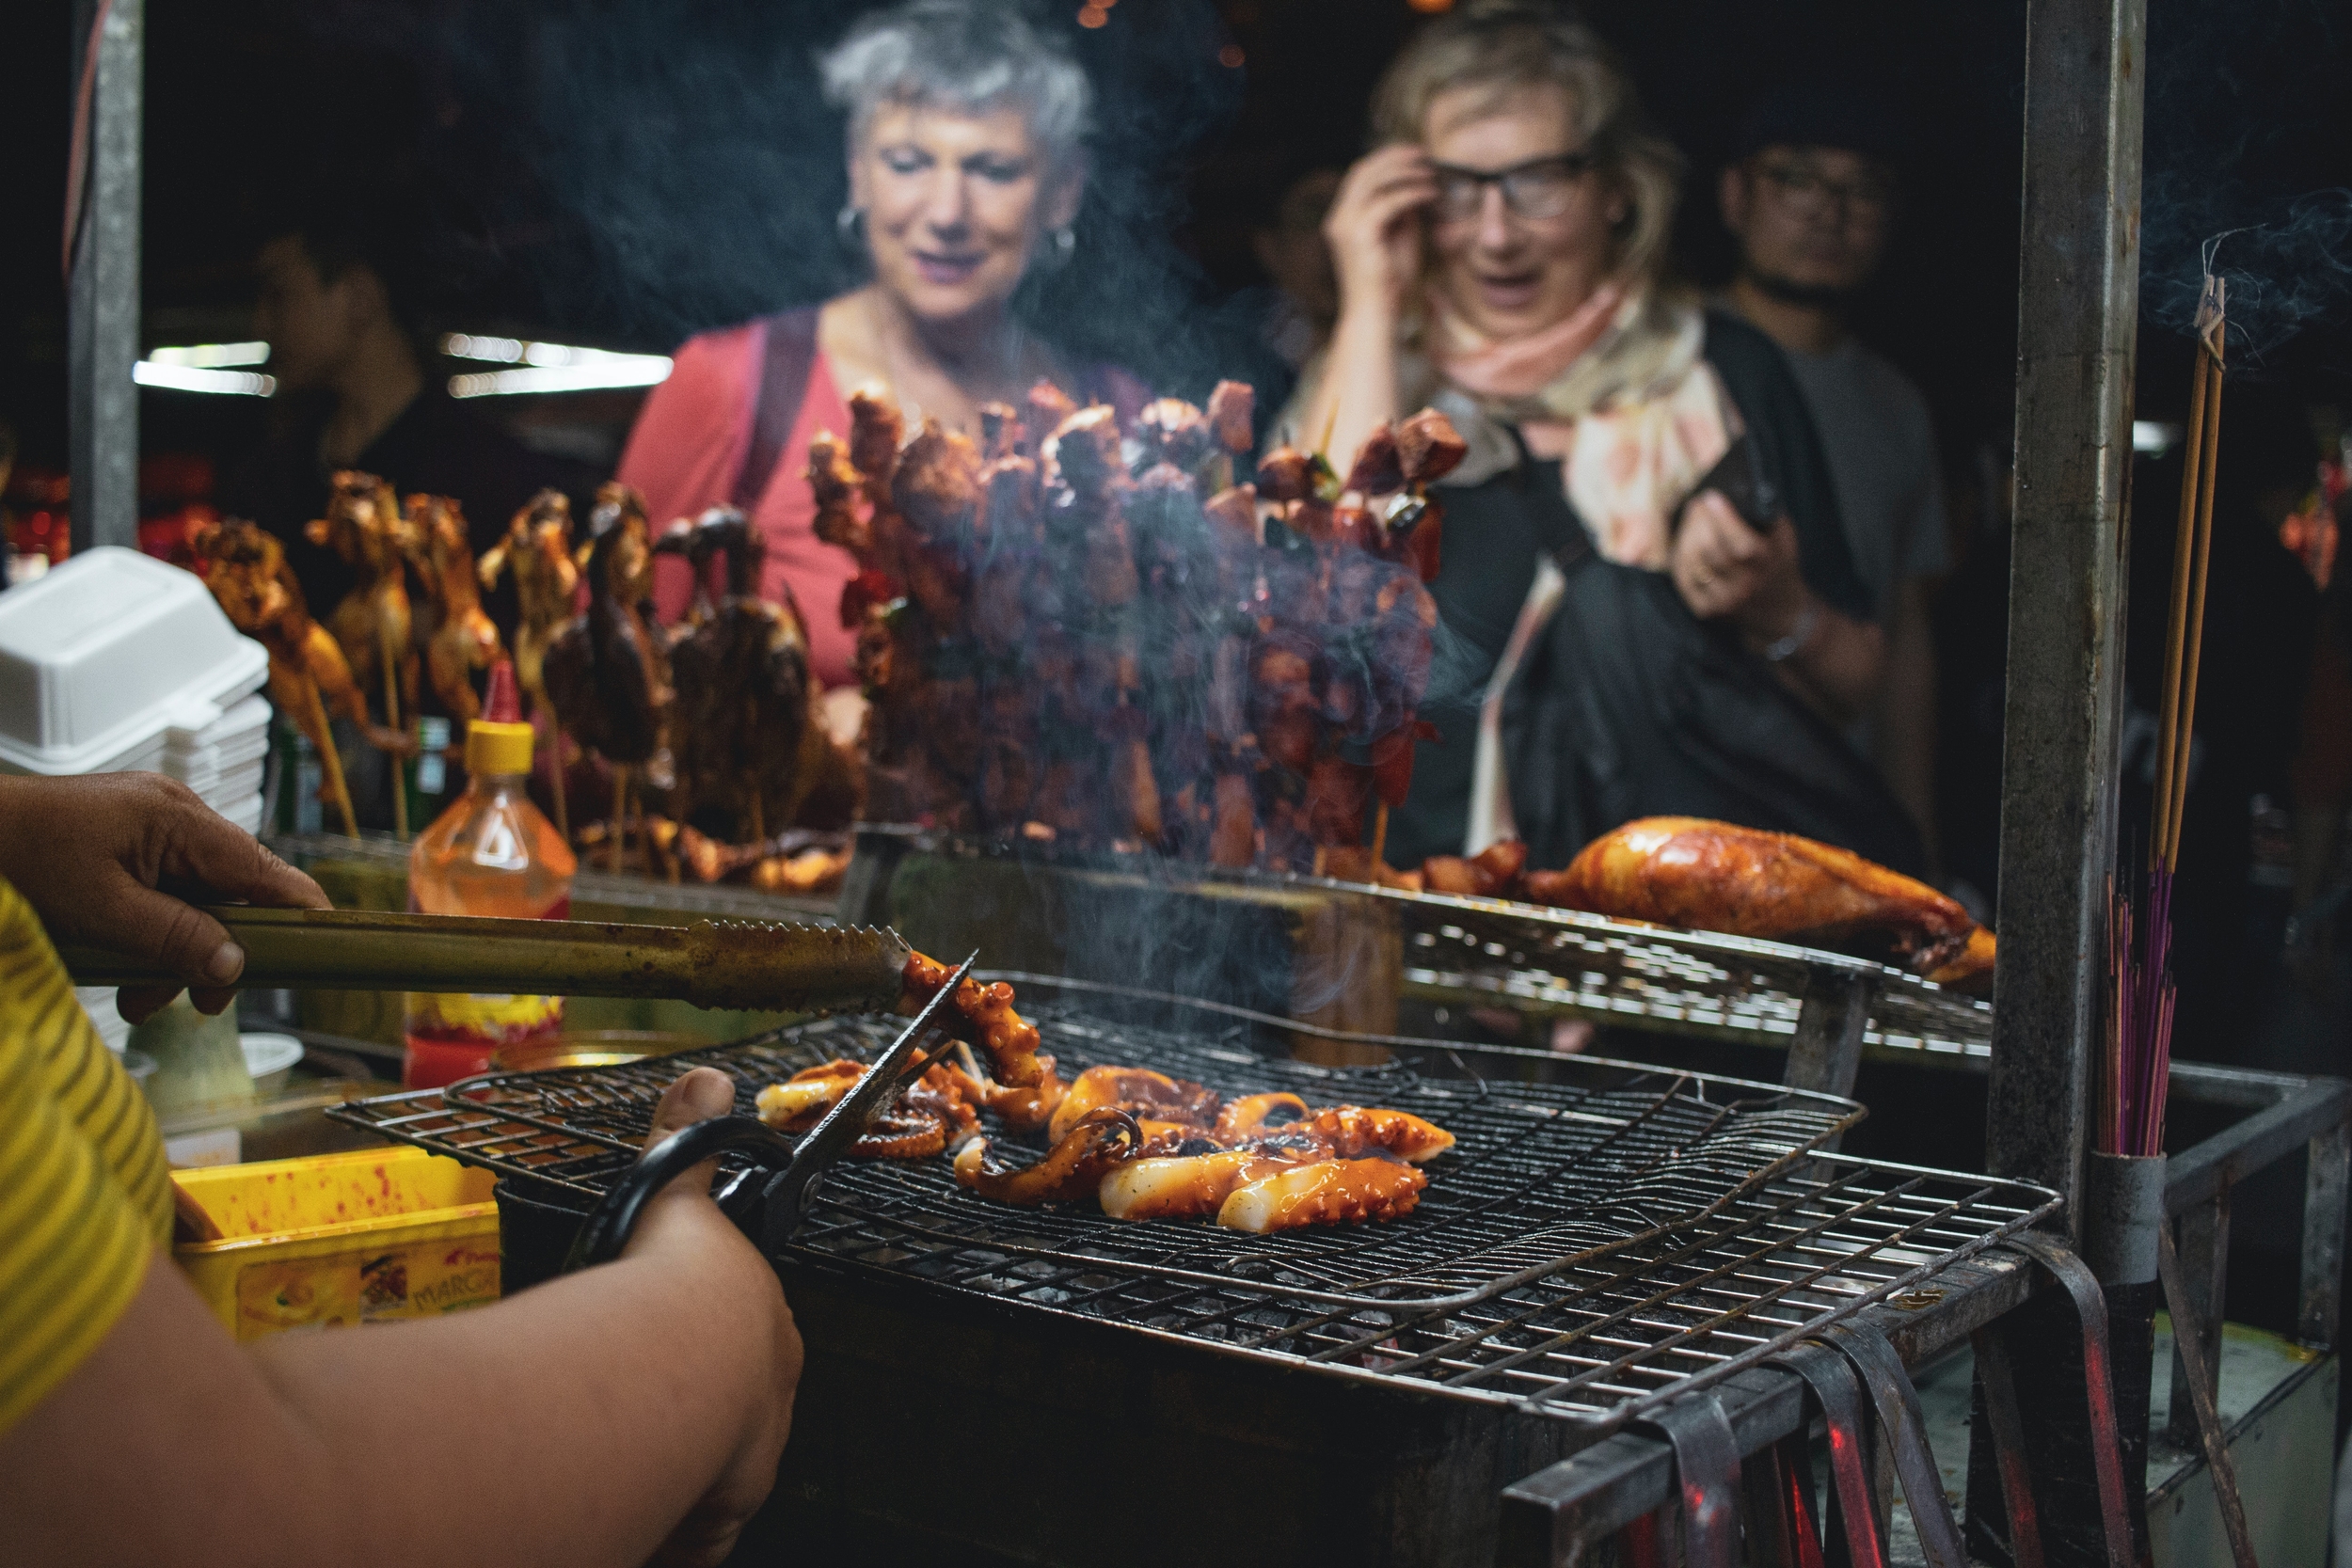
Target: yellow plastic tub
{"x":338,"y":1238}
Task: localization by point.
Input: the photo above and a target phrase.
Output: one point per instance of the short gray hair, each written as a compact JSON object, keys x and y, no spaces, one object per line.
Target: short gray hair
{"x":966,"y":56}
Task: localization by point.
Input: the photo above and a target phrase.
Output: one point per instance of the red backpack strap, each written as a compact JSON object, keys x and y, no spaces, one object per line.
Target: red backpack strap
{"x":783,"y":385}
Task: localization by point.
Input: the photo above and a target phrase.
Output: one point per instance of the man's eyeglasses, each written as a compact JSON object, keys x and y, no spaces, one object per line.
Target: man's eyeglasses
{"x":1805,"y":190}
{"x":1538,"y":188}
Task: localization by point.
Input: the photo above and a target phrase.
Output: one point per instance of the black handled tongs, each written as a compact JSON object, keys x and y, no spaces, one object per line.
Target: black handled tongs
{"x":789,"y":1193}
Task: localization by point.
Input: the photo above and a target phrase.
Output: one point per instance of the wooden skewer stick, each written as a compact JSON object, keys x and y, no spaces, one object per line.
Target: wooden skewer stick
{"x":555,"y":770}
{"x":2186,"y":730}
{"x":331,"y":761}
{"x":2184,"y":543}
{"x":384,"y":651}
{"x":1379,"y":837}
{"x":620,"y":814}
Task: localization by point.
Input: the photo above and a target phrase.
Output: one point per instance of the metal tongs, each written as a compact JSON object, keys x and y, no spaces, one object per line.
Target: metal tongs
{"x":724,"y":963}
{"x":788,"y":1193}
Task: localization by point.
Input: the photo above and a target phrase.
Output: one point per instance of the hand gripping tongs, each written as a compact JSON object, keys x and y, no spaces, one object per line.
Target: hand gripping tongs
{"x":799,"y":1166}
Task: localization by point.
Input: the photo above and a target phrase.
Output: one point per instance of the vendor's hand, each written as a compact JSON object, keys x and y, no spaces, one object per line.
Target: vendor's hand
{"x":684,"y":1215}
{"x":1723,"y":567}
{"x":118,"y":861}
{"x":1374,"y":227}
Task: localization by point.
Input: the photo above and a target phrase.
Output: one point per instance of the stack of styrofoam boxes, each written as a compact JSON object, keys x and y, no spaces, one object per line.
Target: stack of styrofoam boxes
{"x":113,"y":663}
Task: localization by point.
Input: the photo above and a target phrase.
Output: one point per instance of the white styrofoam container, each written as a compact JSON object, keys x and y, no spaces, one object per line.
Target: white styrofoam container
{"x":246,"y":814}
{"x":101,"y":657}
{"x":244,"y":727}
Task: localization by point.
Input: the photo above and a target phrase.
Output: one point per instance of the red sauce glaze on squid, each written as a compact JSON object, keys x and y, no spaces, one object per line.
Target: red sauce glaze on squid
{"x":986,"y":1015}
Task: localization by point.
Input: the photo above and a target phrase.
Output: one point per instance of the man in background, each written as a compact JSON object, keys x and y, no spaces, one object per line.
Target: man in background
{"x":1810,"y":198}
{"x":359,"y":386}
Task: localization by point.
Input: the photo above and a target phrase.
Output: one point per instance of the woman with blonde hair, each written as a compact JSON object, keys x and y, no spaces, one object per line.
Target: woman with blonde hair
{"x":1627,"y":641}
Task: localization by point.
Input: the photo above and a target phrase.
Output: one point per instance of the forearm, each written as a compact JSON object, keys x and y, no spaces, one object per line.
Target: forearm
{"x":575,"y":1423}
{"x":1904,"y":714}
{"x":1840,"y":665}
{"x":1358,"y":391}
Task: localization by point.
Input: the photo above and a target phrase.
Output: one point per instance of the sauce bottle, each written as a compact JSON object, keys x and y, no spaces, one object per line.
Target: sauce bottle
{"x":491,"y":853}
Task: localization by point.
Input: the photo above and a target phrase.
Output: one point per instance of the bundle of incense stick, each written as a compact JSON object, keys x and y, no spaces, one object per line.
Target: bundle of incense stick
{"x":2139,"y":930}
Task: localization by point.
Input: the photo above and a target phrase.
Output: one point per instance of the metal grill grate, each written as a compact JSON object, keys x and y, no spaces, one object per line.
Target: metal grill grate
{"x":1587,"y":1247}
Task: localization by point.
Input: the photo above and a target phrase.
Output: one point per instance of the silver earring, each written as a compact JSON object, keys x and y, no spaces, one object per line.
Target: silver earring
{"x":1065,"y":245}
{"x":849,"y":225}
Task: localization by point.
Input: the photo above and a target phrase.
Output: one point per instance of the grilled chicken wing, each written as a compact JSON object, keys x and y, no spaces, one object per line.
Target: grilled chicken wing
{"x":461,"y":638}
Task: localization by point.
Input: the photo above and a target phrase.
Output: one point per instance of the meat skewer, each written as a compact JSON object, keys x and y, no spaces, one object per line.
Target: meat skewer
{"x":538,"y":550}
{"x":608,"y":673}
{"x":461,"y":638}
{"x":246,"y":568}
{"x":372,"y":625}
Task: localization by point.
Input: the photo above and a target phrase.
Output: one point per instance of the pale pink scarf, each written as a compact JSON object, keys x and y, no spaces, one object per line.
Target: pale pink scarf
{"x":1633,"y":437}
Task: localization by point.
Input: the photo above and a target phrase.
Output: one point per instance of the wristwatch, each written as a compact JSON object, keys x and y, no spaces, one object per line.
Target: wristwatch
{"x":1799,"y":635}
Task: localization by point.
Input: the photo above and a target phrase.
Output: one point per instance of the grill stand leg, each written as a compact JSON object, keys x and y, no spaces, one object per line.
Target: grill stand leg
{"x":1997,"y":1390}
{"x":1706,"y":1476}
{"x":2081,"y":1527}
{"x":2187,"y":1333}
{"x":1855,"y":1532}
{"x":1776,"y":1492}
{"x":1906,"y":1428}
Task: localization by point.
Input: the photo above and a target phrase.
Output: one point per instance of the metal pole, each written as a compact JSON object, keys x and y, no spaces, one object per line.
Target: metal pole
{"x":2078,"y":298}
{"x":103,"y":291}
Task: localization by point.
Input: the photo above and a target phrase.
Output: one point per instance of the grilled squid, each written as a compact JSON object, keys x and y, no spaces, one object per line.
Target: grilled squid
{"x":1074,"y":1166}
{"x":1182,"y":1187}
{"x":1251,"y":1112}
{"x":796,"y":1104}
{"x":1350,"y":1131}
{"x":986,"y":1015}
{"x":1328,"y":1192}
{"x":1139,"y":1090}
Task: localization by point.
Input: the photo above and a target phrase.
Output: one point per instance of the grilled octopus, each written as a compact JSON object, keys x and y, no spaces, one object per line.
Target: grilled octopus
{"x":985,"y":1017}
{"x":1138,"y":1091}
{"x":929,"y":1116}
{"x":1021,"y":1110}
{"x":1100,"y":1141}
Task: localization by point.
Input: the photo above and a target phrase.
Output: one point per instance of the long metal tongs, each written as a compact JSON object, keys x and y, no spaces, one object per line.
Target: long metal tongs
{"x":724,"y":963}
{"x":788,"y":1193}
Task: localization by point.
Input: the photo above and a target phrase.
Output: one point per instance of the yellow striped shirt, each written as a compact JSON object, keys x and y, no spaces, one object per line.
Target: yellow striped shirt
{"x":85,"y":1194}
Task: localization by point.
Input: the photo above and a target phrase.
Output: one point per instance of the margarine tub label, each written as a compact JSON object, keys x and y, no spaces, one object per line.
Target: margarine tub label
{"x":417,"y":1280}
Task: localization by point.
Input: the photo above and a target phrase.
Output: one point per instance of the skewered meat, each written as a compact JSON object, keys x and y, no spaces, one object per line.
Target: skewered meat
{"x":1328,"y":1192}
{"x":608,"y":673}
{"x":461,"y":638}
{"x":372,"y":624}
{"x":245,"y":566}
{"x":1716,"y":876}
{"x":1073,"y":1168}
{"x":750,"y":742}
{"x":538,"y":550}
{"x":983,"y":1016}
{"x":1139,"y":1090}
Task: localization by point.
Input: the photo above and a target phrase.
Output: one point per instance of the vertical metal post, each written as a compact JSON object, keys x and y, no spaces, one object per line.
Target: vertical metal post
{"x":2323,"y":1235}
{"x":2078,"y":297}
{"x":103,"y":291}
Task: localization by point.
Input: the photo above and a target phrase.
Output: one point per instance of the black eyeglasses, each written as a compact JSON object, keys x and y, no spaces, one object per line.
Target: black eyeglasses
{"x":1804,"y":189}
{"x":1538,"y":188}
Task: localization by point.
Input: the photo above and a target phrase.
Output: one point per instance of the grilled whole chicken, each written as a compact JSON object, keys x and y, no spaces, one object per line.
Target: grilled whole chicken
{"x":1716,"y":876}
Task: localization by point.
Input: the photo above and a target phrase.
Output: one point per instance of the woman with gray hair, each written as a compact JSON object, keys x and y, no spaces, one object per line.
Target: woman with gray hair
{"x":966,"y":167}
{"x":1502,"y":254}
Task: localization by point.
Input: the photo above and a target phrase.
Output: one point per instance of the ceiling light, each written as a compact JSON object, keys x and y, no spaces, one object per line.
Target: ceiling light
{"x":189,"y":378}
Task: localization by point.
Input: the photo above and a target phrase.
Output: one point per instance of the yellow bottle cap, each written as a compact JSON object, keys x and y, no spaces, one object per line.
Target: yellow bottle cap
{"x":492,"y":747}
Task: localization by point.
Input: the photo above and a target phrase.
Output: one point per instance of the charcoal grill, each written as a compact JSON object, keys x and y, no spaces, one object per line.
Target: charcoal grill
{"x":1593,"y":1244}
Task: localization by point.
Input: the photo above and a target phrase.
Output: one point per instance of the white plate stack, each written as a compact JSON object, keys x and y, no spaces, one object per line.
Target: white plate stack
{"x":115,"y":662}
